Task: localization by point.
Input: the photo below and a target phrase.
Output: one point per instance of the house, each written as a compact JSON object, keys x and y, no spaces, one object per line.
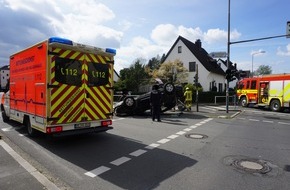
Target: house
{"x":4,"y":76}
{"x":210,"y":75}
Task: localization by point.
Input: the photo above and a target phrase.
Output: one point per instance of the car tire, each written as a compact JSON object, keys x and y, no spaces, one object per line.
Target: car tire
{"x":129,"y":102}
{"x":31,"y":131}
{"x":169,"y":88}
{"x":5,"y":118}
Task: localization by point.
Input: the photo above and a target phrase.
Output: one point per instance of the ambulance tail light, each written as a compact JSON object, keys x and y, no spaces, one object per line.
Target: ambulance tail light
{"x":55,"y":129}
{"x":60,"y":40}
{"x":106,"y":123}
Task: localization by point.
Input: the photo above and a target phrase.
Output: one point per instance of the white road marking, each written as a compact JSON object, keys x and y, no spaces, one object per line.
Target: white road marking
{"x":120,"y":161}
{"x":28,"y":167}
{"x":172,"y":136}
{"x":163,"y":141}
{"x":180,"y":133}
{"x":254,"y":120}
{"x":284,"y":123}
{"x":97,"y":171}
{"x":266,"y":121}
{"x":138,"y":152}
{"x":152,"y":146}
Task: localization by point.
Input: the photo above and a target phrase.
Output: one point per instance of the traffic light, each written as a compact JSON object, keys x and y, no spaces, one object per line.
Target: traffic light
{"x":231,"y":75}
{"x":195,"y":79}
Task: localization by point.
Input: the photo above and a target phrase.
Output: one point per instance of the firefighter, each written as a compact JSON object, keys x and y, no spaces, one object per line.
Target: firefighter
{"x":188,"y":98}
{"x":155,"y":102}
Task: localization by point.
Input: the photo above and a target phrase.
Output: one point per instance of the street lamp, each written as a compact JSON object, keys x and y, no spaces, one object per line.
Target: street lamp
{"x":255,"y":53}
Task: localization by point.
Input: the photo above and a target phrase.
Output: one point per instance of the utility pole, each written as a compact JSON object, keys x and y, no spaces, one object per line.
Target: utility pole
{"x":228,"y":55}
{"x":196,"y":86}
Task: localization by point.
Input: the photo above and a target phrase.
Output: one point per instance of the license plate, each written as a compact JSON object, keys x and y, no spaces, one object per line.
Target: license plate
{"x":82,"y":125}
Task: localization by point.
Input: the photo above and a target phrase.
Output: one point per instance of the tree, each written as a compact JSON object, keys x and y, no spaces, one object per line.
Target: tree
{"x":263,"y":70}
{"x":171,"y":72}
{"x":133,"y":77}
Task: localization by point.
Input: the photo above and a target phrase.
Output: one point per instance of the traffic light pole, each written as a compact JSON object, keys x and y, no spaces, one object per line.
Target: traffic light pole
{"x":228,"y":56}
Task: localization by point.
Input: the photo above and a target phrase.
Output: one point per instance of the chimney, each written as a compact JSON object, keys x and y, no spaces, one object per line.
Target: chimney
{"x":198,"y":43}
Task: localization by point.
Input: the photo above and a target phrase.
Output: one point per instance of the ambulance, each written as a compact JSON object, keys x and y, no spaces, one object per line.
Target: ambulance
{"x":58,"y":86}
{"x":272,"y":91}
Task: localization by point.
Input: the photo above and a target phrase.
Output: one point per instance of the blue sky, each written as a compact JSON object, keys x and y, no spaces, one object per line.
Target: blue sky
{"x":147,"y":28}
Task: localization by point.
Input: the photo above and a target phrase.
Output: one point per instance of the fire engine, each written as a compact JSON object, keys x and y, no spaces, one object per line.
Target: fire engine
{"x":58,"y":86}
{"x":271,"y":91}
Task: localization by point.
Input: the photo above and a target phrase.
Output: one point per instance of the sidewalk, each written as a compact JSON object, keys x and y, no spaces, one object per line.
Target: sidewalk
{"x":16,"y":173}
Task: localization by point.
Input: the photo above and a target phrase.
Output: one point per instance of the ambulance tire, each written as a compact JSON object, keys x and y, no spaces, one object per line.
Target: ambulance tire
{"x":275,"y":105}
{"x":31,"y":132}
{"x":5,"y":118}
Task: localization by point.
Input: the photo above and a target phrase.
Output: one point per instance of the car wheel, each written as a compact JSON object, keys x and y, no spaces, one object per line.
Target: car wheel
{"x":169,"y":88}
{"x":275,"y":105}
{"x":31,"y":131}
{"x":129,"y":102}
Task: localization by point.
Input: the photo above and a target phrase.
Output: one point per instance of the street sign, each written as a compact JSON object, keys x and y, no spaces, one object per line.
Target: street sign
{"x":220,"y":54}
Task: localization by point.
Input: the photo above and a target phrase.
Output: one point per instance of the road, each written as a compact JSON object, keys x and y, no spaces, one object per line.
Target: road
{"x":191,"y":151}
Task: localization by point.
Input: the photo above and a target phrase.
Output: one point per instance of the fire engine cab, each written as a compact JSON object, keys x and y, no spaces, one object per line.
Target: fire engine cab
{"x":271,"y":91}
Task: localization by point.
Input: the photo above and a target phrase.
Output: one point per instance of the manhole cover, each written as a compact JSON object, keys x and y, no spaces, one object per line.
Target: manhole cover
{"x":196,"y":136}
{"x":252,"y":165}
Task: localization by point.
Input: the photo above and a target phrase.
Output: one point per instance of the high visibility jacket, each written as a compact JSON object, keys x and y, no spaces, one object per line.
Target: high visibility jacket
{"x":188,"y":95}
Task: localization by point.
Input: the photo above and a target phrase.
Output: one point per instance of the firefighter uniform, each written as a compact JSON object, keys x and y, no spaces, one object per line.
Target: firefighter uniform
{"x":188,"y":98}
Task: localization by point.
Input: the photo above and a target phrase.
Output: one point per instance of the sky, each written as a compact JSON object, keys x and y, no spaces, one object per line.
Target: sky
{"x":147,"y":28}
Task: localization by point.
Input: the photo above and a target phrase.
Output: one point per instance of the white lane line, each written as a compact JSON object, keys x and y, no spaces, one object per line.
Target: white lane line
{"x":241,"y":118}
{"x":163,"y":141}
{"x":120,"y":161}
{"x":97,"y":171}
{"x":254,"y":120}
{"x":202,"y":122}
{"x":187,"y":129}
{"x":266,"y":121}
{"x":28,"y":167}
{"x":284,"y":123}
{"x":193,"y":126}
{"x":138,"y":152}
{"x":198,"y":124}
{"x":180,"y":133}
{"x":6,"y":129}
{"x":152,"y":146}
{"x":172,"y":136}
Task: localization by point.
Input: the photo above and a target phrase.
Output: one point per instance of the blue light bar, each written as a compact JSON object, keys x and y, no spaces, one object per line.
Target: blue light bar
{"x":60,"y":40}
{"x":110,"y":50}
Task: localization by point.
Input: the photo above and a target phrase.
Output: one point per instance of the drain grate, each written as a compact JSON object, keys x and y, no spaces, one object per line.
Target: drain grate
{"x":252,"y":166}
{"x":196,"y":136}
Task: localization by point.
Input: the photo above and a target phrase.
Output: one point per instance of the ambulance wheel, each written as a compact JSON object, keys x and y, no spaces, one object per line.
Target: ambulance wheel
{"x":5,"y":118}
{"x":244,"y":102}
{"x":31,"y":132}
{"x":275,"y":105}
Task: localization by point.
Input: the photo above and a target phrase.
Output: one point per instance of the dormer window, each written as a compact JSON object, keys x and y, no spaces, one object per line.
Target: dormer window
{"x":179,"y":49}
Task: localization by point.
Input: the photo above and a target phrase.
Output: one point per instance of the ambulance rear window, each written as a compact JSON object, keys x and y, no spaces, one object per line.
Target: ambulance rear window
{"x":98,"y":74}
{"x":68,"y":71}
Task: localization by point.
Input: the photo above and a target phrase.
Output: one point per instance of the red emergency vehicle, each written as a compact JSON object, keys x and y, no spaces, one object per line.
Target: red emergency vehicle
{"x":59,"y":86}
{"x":271,"y":91}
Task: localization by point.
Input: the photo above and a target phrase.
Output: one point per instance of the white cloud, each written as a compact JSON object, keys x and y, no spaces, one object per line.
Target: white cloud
{"x":284,"y":53}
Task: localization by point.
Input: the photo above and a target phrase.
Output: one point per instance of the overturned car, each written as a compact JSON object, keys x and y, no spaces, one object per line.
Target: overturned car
{"x":131,"y":105}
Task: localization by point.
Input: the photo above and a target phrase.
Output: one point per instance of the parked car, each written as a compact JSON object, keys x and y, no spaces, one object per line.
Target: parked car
{"x":132,"y":105}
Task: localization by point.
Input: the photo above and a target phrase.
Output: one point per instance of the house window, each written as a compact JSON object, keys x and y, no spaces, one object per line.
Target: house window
{"x":179,"y":49}
{"x":220,"y":87}
{"x":191,"y":66}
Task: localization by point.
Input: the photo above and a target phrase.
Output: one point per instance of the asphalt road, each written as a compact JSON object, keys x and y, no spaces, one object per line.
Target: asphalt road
{"x":191,"y":151}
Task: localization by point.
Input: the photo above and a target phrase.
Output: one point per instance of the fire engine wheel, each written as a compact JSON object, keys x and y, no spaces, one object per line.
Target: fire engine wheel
{"x":31,"y":132}
{"x":275,"y":105}
{"x":244,"y":102}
